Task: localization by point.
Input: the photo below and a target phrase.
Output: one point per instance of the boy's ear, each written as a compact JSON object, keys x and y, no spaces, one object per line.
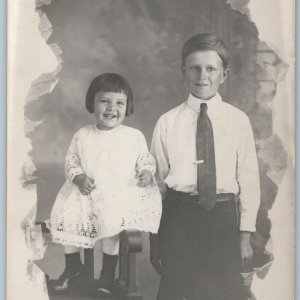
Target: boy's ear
{"x":225,"y":75}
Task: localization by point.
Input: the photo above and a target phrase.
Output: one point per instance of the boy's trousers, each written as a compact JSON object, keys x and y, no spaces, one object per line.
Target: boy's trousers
{"x":199,"y":249}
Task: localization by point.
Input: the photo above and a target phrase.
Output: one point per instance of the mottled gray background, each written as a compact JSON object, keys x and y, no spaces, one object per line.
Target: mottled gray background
{"x":142,"y":40}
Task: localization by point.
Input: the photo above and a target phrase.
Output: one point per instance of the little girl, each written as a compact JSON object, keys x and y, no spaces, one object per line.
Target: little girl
{"x":109,"y":183}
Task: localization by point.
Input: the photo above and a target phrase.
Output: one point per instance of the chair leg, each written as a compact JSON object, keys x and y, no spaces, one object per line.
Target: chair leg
{"x":130,"y":245}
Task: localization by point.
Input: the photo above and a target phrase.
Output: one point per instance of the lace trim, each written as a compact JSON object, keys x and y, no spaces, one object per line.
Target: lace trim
{"x":66,"y":238}
{"x":146,"y":161}
{"x":72,"y":161}
{"x":82,"y":221}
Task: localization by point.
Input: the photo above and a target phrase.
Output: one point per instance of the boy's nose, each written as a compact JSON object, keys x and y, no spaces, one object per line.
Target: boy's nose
{"x":202,"y":74}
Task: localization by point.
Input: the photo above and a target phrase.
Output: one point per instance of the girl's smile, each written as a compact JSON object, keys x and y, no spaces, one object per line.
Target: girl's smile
{"x":109,"y":109}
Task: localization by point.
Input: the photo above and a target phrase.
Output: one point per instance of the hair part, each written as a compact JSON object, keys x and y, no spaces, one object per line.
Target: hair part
{"x":109,"y":82}
{"x":205,"y":42}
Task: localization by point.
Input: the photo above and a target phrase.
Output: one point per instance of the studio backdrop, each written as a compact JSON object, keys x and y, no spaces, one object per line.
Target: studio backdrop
{"x":142,"y":40}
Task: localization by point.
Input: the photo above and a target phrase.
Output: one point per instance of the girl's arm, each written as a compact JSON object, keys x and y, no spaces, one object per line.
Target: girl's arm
{"x":145,"y":160}
{"x":146,"y":164}
{"x":73,"y":171}
{"x":73,"y":161}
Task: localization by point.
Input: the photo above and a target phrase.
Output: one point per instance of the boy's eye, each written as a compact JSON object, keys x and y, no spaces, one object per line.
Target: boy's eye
{"x":210,"y":69}
{"x":195,"y":68}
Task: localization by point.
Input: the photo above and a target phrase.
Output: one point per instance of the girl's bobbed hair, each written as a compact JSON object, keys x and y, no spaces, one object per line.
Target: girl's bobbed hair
{"x":109,"y":82}
{"x":203,"y":42}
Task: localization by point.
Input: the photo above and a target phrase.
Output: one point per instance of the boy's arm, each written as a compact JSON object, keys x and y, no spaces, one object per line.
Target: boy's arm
{"x":248,"y":178}
{"x":159,"y":151}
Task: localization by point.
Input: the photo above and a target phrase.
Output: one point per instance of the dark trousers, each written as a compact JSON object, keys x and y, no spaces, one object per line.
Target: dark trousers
{"x":199,"y":251}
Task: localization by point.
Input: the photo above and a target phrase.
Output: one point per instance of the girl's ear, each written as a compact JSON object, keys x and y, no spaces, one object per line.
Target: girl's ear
{"x":183,"y":68}
{"x":224,"y":75}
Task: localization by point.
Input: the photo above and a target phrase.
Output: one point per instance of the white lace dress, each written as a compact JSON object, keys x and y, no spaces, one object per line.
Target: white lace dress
{"x":112,"y":158}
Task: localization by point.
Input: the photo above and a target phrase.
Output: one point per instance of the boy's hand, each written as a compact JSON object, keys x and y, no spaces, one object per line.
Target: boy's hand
{"x":246,"y":250}
{"x":84,"y":183}
{"x":155,"y":253}
{"x":144,"y":178}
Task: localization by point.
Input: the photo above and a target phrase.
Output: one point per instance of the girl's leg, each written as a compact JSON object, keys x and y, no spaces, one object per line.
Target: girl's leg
{"x":111,"y":245}
{"x":72,"y":258}
{"x":73,"y":267}
{"x":109,"y":263}
{"x":71,"y":249}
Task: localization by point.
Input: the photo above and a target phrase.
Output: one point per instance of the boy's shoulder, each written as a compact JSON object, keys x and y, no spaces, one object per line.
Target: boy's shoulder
{"x":233,"y":112}
{"x":174,"y":110}
{"x":172,"y":113}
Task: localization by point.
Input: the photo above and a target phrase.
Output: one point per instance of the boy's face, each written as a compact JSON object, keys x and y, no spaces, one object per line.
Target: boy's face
{"x":204,"y":72}
{"x":109,"y":109}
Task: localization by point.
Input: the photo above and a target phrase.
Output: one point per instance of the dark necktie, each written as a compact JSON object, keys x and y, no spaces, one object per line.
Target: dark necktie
{"x":206,"y":166}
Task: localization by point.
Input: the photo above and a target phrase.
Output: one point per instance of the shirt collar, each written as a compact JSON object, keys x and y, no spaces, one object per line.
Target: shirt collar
{"x":213,"y":104}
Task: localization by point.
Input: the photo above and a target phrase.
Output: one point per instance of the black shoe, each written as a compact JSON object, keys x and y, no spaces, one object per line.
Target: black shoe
{"x":105,"y":286}
{"x":68,"y":276}
{"x":107,"y":275}
{"x":104,"y":293}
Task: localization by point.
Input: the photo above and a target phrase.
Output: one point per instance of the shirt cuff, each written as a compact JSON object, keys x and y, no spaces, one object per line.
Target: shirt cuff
{"x":247,"y":223}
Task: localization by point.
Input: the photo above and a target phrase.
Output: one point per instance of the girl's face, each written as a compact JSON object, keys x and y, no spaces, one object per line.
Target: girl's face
{"x":109,"y":109}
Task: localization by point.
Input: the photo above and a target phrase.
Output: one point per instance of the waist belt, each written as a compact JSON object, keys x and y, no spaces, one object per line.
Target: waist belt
{"x":190,"y":198}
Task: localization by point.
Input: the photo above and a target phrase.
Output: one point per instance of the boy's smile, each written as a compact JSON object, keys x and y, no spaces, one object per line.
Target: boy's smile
{"x":109,"y":109}
{"x":204,"y":73}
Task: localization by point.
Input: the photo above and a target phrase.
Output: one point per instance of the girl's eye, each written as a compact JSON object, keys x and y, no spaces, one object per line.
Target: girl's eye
{"x":120,"y":103}
{"x":103,"y":101}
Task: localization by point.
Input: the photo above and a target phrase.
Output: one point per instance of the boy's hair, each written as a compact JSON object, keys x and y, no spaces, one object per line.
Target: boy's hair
{"x":203,"y":42}
{"x":109,"y":82}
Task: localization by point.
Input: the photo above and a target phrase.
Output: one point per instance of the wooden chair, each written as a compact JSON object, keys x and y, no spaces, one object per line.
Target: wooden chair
{"x":130,"y":246}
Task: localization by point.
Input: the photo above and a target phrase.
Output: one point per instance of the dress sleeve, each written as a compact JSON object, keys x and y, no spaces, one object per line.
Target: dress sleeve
{"x":159,"y":151}
{"x":248,"y":179}
{"x":73,"y":161}
{"x":145,"y":160}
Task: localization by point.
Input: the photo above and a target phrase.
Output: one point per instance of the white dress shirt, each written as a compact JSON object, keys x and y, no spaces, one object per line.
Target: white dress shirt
{"x":174,"y":147}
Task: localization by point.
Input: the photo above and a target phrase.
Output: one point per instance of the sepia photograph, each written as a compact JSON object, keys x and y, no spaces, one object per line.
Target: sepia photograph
{"x":151,"y":149}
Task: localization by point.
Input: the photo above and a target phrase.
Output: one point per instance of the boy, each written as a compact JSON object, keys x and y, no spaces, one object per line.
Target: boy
{"x":206,"y":155}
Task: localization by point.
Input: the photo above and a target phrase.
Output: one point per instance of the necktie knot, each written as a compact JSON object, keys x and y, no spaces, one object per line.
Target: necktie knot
{"x":203,"y":108}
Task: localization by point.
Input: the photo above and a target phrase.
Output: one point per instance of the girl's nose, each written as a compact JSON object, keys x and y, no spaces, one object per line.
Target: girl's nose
{"x":111,"y":106}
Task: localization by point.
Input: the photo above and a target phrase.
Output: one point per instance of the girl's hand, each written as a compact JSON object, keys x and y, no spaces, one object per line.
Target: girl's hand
{"x":84,"y":183}
{"x":144,"y":178}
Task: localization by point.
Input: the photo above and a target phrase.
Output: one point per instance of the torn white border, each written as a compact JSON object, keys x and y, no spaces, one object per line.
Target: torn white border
{"x":275,"y":23}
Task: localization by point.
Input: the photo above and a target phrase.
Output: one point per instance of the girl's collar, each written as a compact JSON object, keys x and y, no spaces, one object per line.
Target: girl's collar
{"x":109,"y":131}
